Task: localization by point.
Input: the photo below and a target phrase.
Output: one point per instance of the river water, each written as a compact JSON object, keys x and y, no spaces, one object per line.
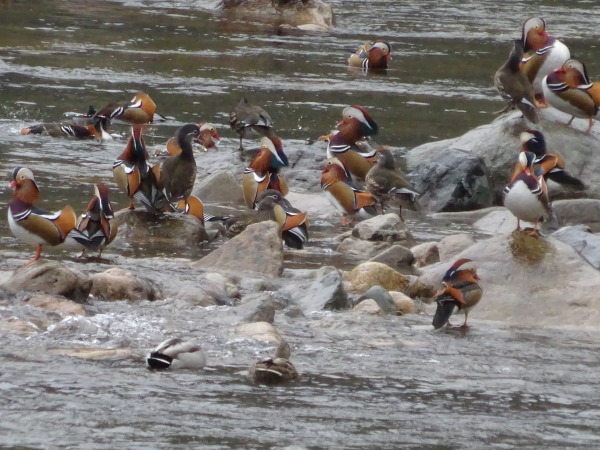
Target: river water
{"x":366,"y":382}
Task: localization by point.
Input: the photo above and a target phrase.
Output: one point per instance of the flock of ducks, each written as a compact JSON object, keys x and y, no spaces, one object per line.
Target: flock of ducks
{"x":357,"y":175}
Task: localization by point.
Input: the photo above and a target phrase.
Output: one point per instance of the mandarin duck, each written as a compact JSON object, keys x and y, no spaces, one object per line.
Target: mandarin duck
{"x":140,"y":110}
{"x":292,"y":222}
{"x":386,"y":183}
{"x":263,"y":172}
{"x":342,"y":193}
{"x":94,"y":231}
{"x":206,"y":139}
{"x":192,"y":206}
{"x":527,"y":195}
{"x":98,"y":129}
{"x":371,"y":55}
{"x":569,"y":90}
{"x":543,"y":53}
{"x":136,"y":177}
{"x":460,"y":290}
{"x":178,"y":172}
{"x":552,"y":165}
{"x":356,"y":125}
{"x":30,"y":224}
{"x":514,"y":86}
{"x":249,"y":120}
{"x":274,"y":370}
{"x":176,"y":354}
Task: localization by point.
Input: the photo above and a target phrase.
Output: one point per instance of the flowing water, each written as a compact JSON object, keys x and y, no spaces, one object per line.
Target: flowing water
{"x":366,"y":382}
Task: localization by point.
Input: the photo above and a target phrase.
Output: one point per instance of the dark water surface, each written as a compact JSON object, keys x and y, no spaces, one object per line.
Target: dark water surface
{"x":367,"y":382}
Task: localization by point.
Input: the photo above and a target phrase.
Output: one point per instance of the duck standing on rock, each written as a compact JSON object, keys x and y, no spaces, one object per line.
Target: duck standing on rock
{"x":514,"y":86}
{"x":274,"y":370}
{"x":176,"y":354}
{"x":94,"y":230}
{"x":527,"y":195}
{"x":30,"y":224}
{"x":140,"y":110}
{"x":460,"y":290}
{"x":371,"y":55}
{"x":543,"y":53}
{"x":98,"y":129}
{"x":569,"y":90}
{"x":249,"y":120}
{"x":293,"y":223}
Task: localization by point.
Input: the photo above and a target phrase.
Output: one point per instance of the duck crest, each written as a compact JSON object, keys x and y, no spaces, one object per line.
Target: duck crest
{"x":534,"y":41}
{"x":27,"y":192}
{"x":261,"y":163}
{"x":332,"y":173}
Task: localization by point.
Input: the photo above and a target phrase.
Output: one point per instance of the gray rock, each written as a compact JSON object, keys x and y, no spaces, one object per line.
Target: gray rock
{"x":388,"y":228}
{"x":382,"y":297}
{"x":326,"y":292}
{"x":584,"y":211}
{"x":220,"y":187}
{"x":426,"y":253}
{"x":259,"y":307}
{"x":580,"y":238}
{"x":361,"y":249}
{"x":454,"y":244}
{"x":257,"y":249}
{"x":397,"y":257}
{"x":119,"y":284}
{"x":51,"y":277}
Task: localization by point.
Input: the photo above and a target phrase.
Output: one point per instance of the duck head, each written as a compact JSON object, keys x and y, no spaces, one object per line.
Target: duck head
{"x":358,"y":114}
{"x":575,"y":73}
{"x":334,"y":171}
{"x":24,"y":185}
{"x":533,"y":141}
{"x":464,"y":269}
{"x":186,"y":134}
{"x":534,"y":34}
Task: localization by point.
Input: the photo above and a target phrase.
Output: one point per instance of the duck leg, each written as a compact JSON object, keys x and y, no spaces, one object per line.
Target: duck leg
{"x":464,"y":325}
{"x":37,"y":255}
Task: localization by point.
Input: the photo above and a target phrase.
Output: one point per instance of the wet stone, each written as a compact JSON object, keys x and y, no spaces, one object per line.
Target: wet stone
{"x":119,"y":284}
{"x":383,"y":299}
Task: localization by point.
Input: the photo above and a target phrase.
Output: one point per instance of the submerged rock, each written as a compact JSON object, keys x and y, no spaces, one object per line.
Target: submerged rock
{"x":259,"y":307}
{"x":262,"y":331}
{"x":57,"y":304}
{"x":120,"y":284}
{"x":368,"y":306}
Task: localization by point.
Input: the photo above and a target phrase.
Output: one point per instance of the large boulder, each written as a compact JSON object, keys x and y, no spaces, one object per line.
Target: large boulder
{"x":580,"y":238}
{"x":220,"y":187}
{"x":369,"y":274}
{"x":51,"y":277}
{"x":120,"y":284}
{"x":325,"y":292}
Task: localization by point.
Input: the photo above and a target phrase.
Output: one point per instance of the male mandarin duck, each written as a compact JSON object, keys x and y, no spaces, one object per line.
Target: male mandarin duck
{"x":140,"y":110}
{"x":263,"y":171}
{"x":342,"y":193}
{"x":96,"y":130}
{"x":176,"y":354}
{"x":514,"y":86}
{"x":249,"y":120}
{"x":274,"y":370}
{"x":371,"y":55}
{"x":552,"y":165}
{"x":208,"y":138}
{"x":292,"y":222}
{"x":386,"y":183}
{"x":192,"y":206}
{"x":30,"y":224}
{"x":356,"y":125}
{"x":136,"y":177}
{"x":569,"y":90}
{"x":527,"y":195}
{"x":94,"y":231}
{"x":178,"y":172}
{"x":544,"y":53}
{"x":460,"y":290}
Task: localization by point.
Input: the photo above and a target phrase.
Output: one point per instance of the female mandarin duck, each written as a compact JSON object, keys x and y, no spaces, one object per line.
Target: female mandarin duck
{"x":292,"y":222}
{"x":569,"y":90}
{"x":527,"y":195}
{"x":209,"y":138}
{"x":263,"y":172}
{"x":386,"y":183}
{"x":97,"y":130}
{"x":371,"y":55}
{"x":274,"y":370}
{"x":514,"y":86}
{"x":342,"y":193}
{"x":176,"y":354}
{"x":94,"y":230}
{"x":178,"y":172}
{"x":30,"y":224}
{"x":249,"y":120}
{"x":136,"y":177}
{"x":356,"y":125}
{"x":140,"y":110}
{"x":460,"y":290}
{"x":543,"y":53}
{"x":552,"y":165}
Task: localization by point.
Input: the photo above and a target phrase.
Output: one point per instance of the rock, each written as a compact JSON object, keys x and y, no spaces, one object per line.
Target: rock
{"x":418,"y":289}
{"x":584,"y":211}
{"x":57,"y":304}
{"x":360,"y":249}
{"x":397,"y":257}
{"x":403,"y":303}
{"x":388,"y":228}
{"x":259,"y":307}
{"x":584,"y":242}
{"x":315,"y":203}
{"x":16,"y":326}
{"x":449,"y":179}
{"x":142,"y":230}
{"x":555,"y":288}
{"x":383,"y":299}
{"x":94,"y":353}
{"x":368,"y":306}
{"x":326,"y":292}
{"x":454,"y":244}
{"x":220,"y":187}
{"x":192,"y":293}
{"x":51,"y":277}
{"x":262,"y":331}
{"x":499,"y":221}
{"x":257,"y":249}
{"x":224,"y":284}
{"x":120,"y":284}
{"x":369,"y":274}
{"x":468,"y":217}
{"x":426,"y":253}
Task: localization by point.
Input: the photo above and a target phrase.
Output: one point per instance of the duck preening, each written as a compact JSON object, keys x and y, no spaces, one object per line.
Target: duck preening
{"x":176,"y":353}
{"x":371,"y":55}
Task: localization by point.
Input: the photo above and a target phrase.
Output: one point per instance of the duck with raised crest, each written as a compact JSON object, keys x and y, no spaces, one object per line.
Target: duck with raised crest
{"x":174,"y":354}
{"x":276,"y":369}
{"x":371,"y":55}
{"x":140,"y":110}
{"x":30,"y":224}
{"x":249,"y":120}
{"x":98,"y":129}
